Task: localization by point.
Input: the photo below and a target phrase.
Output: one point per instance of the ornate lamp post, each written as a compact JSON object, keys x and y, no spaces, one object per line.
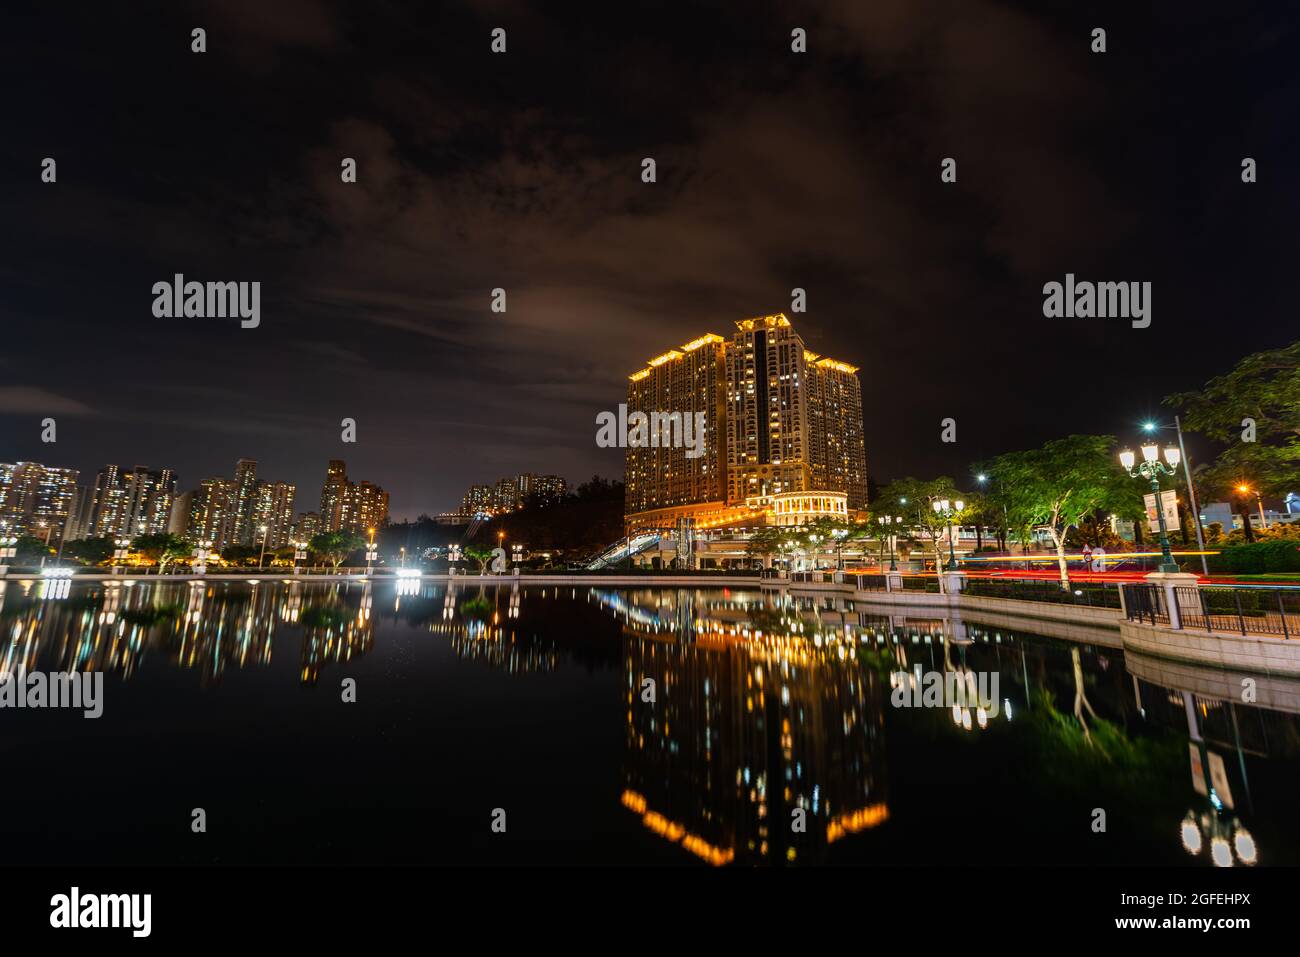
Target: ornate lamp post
{"x":947,"y":511}
{"x":839,"y":534}
{"x":121,"y":548}
{"x":261,"y":559}
{"x":201,"y":551}
{"x":888,"y":525}
{"x":1151,"y":468}
{"x":372,"y":551}
{"x":299,"y":555}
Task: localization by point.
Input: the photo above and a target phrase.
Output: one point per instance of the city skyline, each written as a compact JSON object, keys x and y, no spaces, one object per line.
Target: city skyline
{"x":377,"y":296}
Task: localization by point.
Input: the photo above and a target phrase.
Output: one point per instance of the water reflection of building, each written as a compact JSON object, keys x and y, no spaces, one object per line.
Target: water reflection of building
{"x":335,"y":632}
{"x":206,"y":626}
{"x":481,"y":628}
{"x":749,"y":724}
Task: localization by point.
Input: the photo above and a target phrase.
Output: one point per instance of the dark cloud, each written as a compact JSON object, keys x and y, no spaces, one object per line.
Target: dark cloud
{"x":522,"y":172}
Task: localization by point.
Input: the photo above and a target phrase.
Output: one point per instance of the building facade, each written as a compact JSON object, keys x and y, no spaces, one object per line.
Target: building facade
{"x":509,"y":494}
{"x":36,"y":499}
{"x":350,"y":506}
{"x":779,"y":419}
{"x":274,"y":512}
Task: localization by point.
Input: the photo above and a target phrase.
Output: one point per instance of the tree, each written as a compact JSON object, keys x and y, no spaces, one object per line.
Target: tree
{"x":1060,"y":486}
{"x":915,"y":498}
{"x":90,"y":551}
{"x":161,"y":548}
{"x":1255,"y":411}
{"x":480,"y":554}
{"x":239,"y":554}
{"x":29,"y":549}
{"x":335,"y":547}
{"x":764,"y":543}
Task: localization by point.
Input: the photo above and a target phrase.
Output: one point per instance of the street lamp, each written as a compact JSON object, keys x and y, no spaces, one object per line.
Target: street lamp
{"x":372,"y":552}
{"x":261,"y":559}
{"x":120,"y":550}
{"x":201,"y":550}
{"x":890,"y":522}
{"x":299,"y":555}
{"x":1150,"y":427}
{"x":1151,"y":468}
{"x":947,"y":511}
{"x":839,"y":534}
{"x":1245,"y":489}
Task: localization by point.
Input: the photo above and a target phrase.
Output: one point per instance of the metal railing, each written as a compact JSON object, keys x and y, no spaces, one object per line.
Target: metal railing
{"x":926,"y":583}
{"x":1145,"y":604}
{"x":1090,"y":595}
{"x":1241,"y":611}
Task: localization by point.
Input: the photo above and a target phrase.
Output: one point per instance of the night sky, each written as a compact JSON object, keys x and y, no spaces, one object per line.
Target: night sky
{"x":775,"y":170}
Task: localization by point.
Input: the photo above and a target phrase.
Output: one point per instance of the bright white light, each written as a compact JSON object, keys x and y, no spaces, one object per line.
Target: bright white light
{"x":408,"y":573}
{"x":1191,"y":835}
{"x":1245,"y":846}
{"x":1220,"y":852}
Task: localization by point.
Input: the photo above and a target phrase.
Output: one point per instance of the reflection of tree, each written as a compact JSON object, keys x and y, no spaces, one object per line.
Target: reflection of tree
{"x":1071,"y":753}
{"x":1081,"y":698}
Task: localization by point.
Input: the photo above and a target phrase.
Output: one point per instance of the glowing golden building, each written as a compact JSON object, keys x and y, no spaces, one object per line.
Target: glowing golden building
{"x":779,"y":419}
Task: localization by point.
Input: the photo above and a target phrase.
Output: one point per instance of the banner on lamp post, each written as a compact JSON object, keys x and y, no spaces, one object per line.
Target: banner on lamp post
{"x":1169,"y":502}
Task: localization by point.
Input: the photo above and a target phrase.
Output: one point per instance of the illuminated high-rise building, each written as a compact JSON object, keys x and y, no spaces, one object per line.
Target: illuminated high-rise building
{"x":244,"y":506}
{"x":664,"y":479}
{"x":147,"y":501}
{"x":783,"y":431}
{"x":365,"y":506}
{"x":211,"y":512}
{"x":307,"y":527}
{"x":36,"y":499}
{"x":131,"y":503}
{"x":332,"y":496}
{"x":274,"y":512}
{"x":479,"y":500}
{"x":350,"y":506}
{"x":510,"y":494}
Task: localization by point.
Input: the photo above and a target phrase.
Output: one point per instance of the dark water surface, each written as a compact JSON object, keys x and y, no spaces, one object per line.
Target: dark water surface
{"x":228,"y":696}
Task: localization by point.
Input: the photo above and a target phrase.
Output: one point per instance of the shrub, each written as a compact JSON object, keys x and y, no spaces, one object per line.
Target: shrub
{"x":1278,"y":555}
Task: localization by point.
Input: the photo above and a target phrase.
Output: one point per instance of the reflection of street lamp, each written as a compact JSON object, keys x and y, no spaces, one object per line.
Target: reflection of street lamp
{"x":7,"y":550}
{"x":1222,"y":852}
{"x":1151,"y":468}
{"x":947,"y":511}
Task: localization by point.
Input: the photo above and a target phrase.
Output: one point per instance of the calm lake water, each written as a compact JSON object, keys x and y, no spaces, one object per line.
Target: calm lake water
{"x":228,"y":696}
